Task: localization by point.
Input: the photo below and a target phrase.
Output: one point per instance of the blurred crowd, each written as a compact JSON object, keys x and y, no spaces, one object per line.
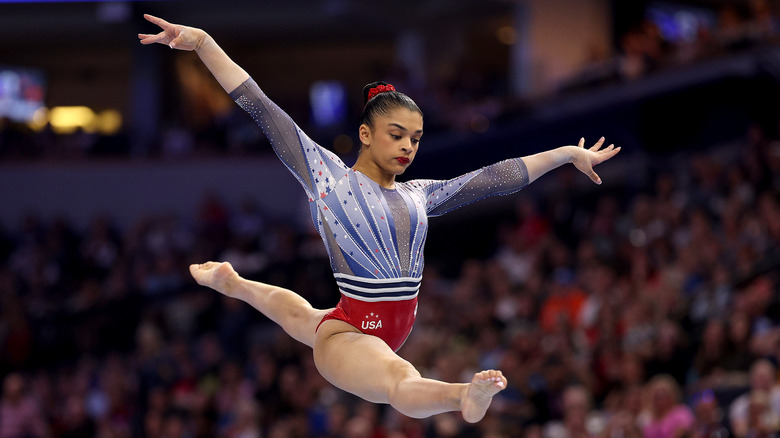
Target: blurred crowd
{"x":648,"y":309}
{"x":668,"y":39}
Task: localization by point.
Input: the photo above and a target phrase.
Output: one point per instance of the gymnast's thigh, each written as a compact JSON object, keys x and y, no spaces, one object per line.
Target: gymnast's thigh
{"x":360,"y":364}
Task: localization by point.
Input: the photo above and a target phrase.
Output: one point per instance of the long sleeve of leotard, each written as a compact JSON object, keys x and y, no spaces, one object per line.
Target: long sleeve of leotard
{"x":313,"y":165}
{"x":501,"y":178}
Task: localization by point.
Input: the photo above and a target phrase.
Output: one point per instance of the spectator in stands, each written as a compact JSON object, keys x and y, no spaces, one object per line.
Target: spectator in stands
{"x":625,"y":416}
{"x":764,"y":386}
{"x":579,"y":419}
{"x":709,"y":416}
{"x":708,"y":361}
{"x":763,"y":421}
{"x":20,"y":415}
{"x":669,"y":417}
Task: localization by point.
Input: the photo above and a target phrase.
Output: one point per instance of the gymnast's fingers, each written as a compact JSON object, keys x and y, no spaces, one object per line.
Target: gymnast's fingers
{"x":158,"y":21}
{"x":608,"y":153}
{"x":151,"y":39}
{"x":598,"y":144}
{"x":594,"y":176}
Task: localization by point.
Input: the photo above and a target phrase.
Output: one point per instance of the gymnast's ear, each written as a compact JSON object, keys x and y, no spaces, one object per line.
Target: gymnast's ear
{"x":364,"y":134}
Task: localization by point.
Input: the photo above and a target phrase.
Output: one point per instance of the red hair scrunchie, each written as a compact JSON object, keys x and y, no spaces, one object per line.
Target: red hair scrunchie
{"x":379,"y":89}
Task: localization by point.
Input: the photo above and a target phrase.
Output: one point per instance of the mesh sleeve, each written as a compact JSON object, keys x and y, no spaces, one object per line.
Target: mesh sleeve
{"x":501,"y":178}
{"x":297,"y":151}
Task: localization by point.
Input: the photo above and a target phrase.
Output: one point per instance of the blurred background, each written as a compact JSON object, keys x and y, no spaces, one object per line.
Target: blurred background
{"x":644,"y":307}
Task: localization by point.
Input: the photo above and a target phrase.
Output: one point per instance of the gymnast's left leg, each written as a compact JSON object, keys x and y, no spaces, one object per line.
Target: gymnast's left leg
{"x":365,"y":366}
{"x":291,"y":311}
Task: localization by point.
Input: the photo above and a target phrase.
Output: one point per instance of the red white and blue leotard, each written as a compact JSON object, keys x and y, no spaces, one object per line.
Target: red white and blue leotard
{"x":374,"y":236}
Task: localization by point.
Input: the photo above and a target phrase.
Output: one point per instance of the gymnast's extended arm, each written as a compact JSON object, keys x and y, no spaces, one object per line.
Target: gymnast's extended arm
{"x":583,"y":159}
{"x":296,"y":150}
{"x":509,"y":176}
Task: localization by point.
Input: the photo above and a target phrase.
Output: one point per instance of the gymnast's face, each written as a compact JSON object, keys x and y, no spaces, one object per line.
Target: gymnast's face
{"x":392,"y":142}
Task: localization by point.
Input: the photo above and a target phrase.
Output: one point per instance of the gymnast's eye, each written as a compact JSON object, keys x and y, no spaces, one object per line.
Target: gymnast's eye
{"x":395,"y":137}
{"x":416,"y":141}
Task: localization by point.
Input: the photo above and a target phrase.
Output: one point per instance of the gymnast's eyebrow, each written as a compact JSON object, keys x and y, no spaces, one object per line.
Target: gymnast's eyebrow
{"x":419,"y":131}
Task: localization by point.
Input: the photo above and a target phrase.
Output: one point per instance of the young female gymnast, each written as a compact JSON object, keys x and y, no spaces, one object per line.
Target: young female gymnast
{"x":374,"y":229}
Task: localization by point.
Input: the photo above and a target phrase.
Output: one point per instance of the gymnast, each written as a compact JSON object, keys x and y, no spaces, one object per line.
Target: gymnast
{"x":374,"y":229}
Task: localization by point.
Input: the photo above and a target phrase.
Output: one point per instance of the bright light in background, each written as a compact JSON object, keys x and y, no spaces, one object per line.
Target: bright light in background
{"x":68,"y":119}
{"x":680,"y":22}
{"x":21,"y":93}
{"x":39,"y":119}
{"x":328,"y":103}
{"x":109,"y":122}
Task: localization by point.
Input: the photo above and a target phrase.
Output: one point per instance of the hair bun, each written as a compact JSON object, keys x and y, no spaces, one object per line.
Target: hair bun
{"x":373,"y":89}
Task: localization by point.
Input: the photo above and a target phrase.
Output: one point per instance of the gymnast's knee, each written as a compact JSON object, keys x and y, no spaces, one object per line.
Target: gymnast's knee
{"x":401,"y":375}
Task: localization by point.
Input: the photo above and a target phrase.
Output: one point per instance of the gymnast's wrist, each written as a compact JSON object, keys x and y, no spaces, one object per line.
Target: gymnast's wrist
{"x":204,"y":40}
{"x":568,"y":154}
{"x":232,"y":285}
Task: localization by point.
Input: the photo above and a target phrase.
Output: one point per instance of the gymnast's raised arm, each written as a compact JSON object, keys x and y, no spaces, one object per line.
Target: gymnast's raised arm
{"x":229,"y":74}
{"x":296,"y":150}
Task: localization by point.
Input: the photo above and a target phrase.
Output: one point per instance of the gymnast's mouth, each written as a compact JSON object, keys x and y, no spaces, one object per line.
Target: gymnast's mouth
{"x":402,"y":160}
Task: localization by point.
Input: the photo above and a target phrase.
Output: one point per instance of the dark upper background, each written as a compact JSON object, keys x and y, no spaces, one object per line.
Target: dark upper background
{"x":495,"y":79}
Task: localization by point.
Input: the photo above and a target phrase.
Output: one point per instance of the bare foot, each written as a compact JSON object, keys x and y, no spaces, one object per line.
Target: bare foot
{"x":479,"y":393}
{"x":214,"y":275}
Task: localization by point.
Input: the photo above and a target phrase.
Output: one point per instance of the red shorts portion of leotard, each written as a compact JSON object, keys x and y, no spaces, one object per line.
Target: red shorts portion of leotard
{"x":391,"y":321}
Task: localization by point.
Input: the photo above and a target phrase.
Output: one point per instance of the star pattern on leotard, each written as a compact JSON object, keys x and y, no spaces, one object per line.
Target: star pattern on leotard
{"x":362,"y":221}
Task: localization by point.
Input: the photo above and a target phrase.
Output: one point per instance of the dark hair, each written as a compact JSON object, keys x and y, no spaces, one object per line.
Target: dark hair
{"x":383,"y":103}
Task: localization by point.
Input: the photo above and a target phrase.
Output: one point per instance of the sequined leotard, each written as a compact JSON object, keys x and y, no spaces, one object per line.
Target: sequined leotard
{"x":374,"y":236}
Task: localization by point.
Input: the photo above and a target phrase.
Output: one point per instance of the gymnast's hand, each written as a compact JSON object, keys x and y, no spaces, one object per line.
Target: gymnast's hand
{"x":175,"y":36}
{"x":584,"y":159}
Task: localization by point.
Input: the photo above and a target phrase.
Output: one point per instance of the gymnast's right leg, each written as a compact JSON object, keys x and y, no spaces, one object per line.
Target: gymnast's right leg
{"x":293,"y":313}
{"x":365,"y":366}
